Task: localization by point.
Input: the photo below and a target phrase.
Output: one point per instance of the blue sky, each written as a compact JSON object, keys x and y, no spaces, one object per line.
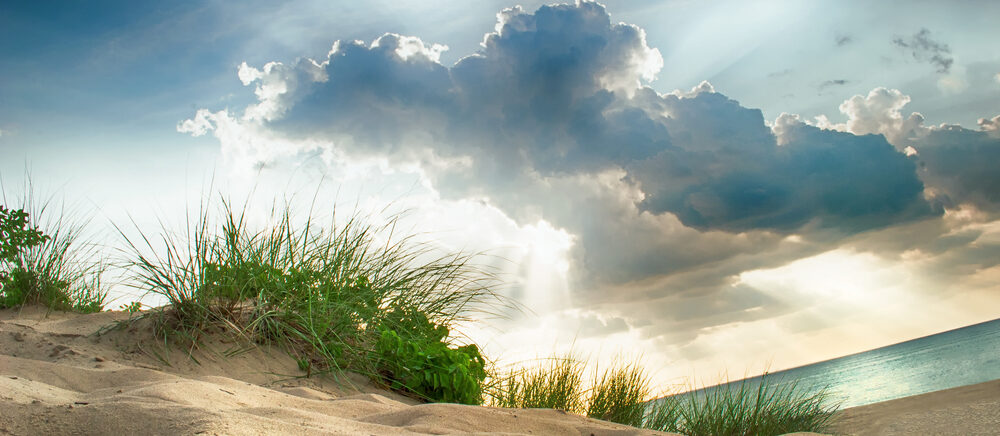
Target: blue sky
{"x":696,"y":180}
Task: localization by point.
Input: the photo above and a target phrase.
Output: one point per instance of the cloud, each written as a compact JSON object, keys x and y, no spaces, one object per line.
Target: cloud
{"x":960,"y":164}
{"x":836,"y":82}
{"x":991,"y":126}
{"x":551,"y":120}
{"x":879,"y":112}
{"x":842,"y":40}
{"x":923,"y":48}
{"x":956,"y":164}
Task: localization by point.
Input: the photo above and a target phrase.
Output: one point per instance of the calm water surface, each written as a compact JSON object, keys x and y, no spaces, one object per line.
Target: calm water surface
{"x":954,"y":358}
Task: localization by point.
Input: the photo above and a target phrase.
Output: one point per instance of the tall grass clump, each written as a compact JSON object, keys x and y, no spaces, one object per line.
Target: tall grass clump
{"x":343,"y":296}
{"x":761,"y":407}
{"x":620,"y":394}
{"x":46,"y":260}
{"x":556,"y":383}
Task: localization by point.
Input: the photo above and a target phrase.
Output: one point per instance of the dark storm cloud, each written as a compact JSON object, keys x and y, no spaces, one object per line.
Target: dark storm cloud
{"x":726,"y":171}
{"x":923,"y":48}
{"x":550,"y":119}
{"x":961,"y":164}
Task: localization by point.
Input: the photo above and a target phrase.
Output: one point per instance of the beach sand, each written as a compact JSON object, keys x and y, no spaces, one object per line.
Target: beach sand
{"x":965,"y":411}
{"x":63,"y":373}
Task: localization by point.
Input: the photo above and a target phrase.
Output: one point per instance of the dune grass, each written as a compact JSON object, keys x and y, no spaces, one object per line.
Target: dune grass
{"x":622,"y":394}
{"x":61,"y":269}
{"x":347,"y":296}
{"x":555,"y":383}
{"x":758,"y":406}
{"x":619,"y":394}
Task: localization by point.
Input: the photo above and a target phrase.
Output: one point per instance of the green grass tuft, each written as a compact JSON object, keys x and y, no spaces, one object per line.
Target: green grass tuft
{"x":760,"y":407}
{"x":555,"y":383}
{"x":620,"y":395}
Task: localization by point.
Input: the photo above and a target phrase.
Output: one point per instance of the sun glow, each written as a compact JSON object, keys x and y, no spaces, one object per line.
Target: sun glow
{"x":840,"y":276}
{"x":545,"y":266}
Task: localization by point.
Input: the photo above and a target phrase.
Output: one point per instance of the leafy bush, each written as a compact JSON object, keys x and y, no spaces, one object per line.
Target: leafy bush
{"x":15,"y":235}
{"x":54,"y":269}
{"x":431,"y":369}
{"x":15,"y":238}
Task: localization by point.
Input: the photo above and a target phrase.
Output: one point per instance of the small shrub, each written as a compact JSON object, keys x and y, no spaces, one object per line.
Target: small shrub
{"x":15,"y":234}
{"x":131,"y":308}
{"x":421,"y":362}
{"x":55,"y":269}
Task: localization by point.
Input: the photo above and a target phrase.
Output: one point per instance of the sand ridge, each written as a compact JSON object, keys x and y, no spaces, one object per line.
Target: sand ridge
{"x":64,"y":373}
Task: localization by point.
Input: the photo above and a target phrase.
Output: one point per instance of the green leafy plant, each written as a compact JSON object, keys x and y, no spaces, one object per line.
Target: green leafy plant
{"x":54,"y":269}
{"x":15,"y":237}
{"x":131,"y":308}
{"x":15,"y":234}
{"x":431,"y":369}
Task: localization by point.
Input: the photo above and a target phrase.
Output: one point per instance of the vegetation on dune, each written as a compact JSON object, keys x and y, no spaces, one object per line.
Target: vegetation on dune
{"x":352,"y":296}
{"x":346,"y":296}
{"x":556,"y":383}
{"x":54,"y":267}
{"x":622,"y":393}
{"x":761,"y":406}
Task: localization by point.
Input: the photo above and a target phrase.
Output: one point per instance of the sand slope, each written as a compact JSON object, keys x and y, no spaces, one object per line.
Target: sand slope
{"x":965,"y":411}
{"x":58,"y":375}
{"x":66,"y":373}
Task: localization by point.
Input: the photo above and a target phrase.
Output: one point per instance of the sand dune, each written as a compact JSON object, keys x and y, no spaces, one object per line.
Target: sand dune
{"x":70,"y":374}
{"x":64,"y":373}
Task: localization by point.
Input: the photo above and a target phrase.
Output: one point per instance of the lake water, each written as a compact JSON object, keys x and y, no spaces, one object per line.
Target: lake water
{"x":959,"y":357}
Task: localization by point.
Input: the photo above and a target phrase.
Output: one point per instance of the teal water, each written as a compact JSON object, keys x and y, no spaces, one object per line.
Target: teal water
{"x":954,"y":358}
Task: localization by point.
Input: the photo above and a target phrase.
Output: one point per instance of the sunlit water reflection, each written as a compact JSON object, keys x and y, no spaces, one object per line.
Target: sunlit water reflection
{"x":960,"y":357}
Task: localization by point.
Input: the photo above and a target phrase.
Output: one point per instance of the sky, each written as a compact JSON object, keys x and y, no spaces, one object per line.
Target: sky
{"x":713,"y":187}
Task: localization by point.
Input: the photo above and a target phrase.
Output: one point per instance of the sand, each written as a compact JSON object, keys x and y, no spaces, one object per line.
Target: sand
{"x":63,"y":373}
{"x":966,"y":411}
